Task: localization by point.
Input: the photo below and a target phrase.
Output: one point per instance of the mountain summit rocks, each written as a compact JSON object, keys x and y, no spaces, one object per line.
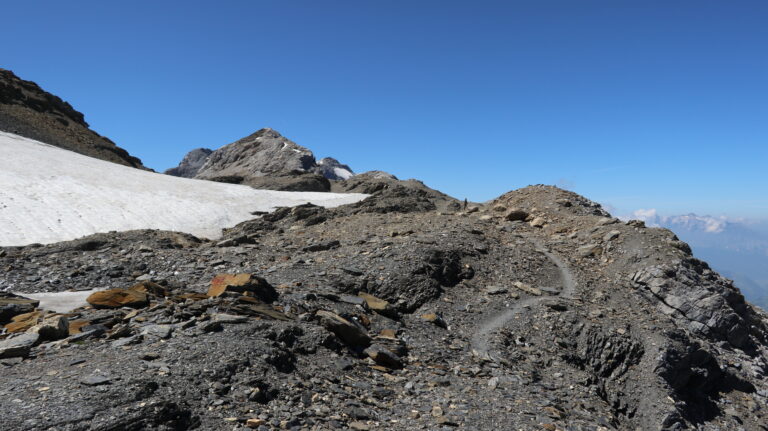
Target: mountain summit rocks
{"x":29,"y":111}
{"x":264,"y":159}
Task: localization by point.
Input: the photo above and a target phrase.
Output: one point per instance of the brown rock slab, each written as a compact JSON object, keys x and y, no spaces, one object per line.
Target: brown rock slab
{"x":246,"y":284}
{"x":23,"y":322}
{"x":379,"y":305}
{"x":75,"y":326}
{"x":255,"y":422}
{"x":388,"y":334}
{"x":116,"y":298}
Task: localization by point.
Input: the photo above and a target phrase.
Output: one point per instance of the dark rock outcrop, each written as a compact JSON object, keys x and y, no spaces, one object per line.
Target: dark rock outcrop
{"x":333,"y":169}
{"x":28,"y":110}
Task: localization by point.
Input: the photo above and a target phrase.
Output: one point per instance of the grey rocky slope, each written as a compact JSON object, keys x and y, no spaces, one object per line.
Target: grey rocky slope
{"x":265,"y":159}
{"x":535,"y":311}
{"x":191,"y":163}
{"x":29,"y":111}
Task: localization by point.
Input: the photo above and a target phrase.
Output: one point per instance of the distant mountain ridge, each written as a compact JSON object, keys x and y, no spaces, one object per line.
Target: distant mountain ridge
{"x":264,"y":159}
{"x":28,"y":110}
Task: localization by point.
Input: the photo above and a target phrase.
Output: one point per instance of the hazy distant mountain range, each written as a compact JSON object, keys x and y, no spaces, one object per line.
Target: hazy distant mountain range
{"x":736,"y":248}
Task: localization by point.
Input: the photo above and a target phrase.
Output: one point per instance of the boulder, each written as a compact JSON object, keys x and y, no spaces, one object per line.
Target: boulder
{"x":516,"y":214}
{"x":116,"y":298}
{"x":18,"y":346}
{"x":246,"y":284}
{"x":347,"y":331}
{"x":53,"y":327}
{"x":383,"y":357}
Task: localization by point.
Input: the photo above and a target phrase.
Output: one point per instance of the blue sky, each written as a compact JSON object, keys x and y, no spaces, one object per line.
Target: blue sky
{"x":635,"y":104}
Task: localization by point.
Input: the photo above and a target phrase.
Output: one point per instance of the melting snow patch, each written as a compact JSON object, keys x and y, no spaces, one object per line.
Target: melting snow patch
{"x":60,"y":302}
{"x":48,"y":194}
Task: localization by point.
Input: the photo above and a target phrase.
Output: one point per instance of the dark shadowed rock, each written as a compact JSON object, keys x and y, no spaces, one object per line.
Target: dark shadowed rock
{"x":333,"y":169}
{"x":18,"y":346}
{"x":12,"y":305}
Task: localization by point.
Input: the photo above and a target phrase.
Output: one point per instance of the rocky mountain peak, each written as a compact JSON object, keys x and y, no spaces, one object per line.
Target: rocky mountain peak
{"x":265,"y":152}
{"x":263,"y":159}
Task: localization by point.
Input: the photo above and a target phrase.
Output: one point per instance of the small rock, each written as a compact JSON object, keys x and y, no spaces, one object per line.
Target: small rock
{"x":95,"y":379}
{"x":149,"y":356}
{"x":445,"y":420}
{"x":516,"y":214}
{"x":354,"y":300}
{"x":18,"y":346}
{"x":159,"y":331}
{"x":606,"y":221}
{"x":527,"y":288}
{"x":495,"y":290}
{"x":383,"y":357}
{"x":538,"y":222}
{"x":611,"y":235}
{"x":379,"y":305}
{"x":255,"y":422}
{"x":554,"y":413}
{"x":435,"y":318}
{"x":229,"y":318}
{"x":127,"y":341}
{"x":493,"y":382}
{"x":588,"y":250}
{"x":347,"y":331}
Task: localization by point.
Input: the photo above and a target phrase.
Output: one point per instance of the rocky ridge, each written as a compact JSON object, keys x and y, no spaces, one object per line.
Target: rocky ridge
{"x":407,"y":310}
{"x":264,"y":159}
{"x":29,"y":111}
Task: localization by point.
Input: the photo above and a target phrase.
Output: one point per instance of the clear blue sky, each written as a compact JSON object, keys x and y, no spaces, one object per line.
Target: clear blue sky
{"x":635,"y":104}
